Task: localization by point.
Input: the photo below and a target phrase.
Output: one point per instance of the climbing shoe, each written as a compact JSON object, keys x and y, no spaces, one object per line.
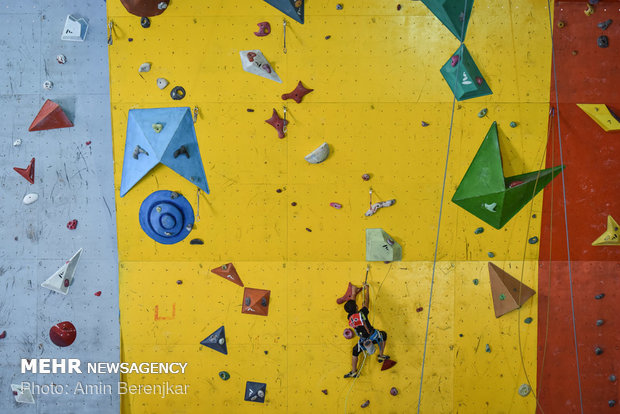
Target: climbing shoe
{"x":352,"y":374}
{"x":382,"y":358}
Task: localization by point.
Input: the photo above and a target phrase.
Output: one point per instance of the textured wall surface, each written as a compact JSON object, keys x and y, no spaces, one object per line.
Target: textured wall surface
{"x":74,"y":181}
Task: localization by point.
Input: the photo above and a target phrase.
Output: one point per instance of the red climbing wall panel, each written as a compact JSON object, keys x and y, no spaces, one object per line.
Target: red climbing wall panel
{"x":585,"y":74}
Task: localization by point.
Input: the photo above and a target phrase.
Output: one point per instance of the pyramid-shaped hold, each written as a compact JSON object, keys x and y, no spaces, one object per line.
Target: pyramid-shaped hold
{"x":602,"y":115}
{"x":508,"y":293}
{"x":292,"y":8}
{"x":454,"y":14}
{"x":464,"y":78}
{"x":61,"y":280}
{"x":28,"y":172}
{"x":387,"y":364}
{"x":255,"y":391}
{"x":175,"y":146}
{"x":380,"y":247}
{"x":228,"y":272}
{"x":51,"y":116}
{"x":253,"y":61}
{"x":216,"y":341}
{"x":255,"y":301}
{"x":488,"y":195}
{"x":611,"y":237}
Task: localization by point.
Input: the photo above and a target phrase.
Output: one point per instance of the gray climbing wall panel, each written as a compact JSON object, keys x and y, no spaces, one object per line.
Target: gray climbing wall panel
{"x":74,"y":180}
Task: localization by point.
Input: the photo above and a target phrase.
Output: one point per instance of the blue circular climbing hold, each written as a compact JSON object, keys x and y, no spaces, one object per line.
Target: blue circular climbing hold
{"x":166,"y":217}
{"x":479,"y":230}
{"x":224,"y":375}
{"x":513,"y":124}
{"x":476,"y":282}
{"x":491,"y":254}
{"x":528,"y":320}
{"x":533,"y":240}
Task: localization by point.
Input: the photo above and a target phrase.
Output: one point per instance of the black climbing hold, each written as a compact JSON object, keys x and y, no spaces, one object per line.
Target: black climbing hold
{"x":279,"y":190}
{"x":603,"y":41}
{"x":479,"y":230}
{"x":327,"y":37}
{"x":600,"y":322}
{"x":182,"y":150}
{"x":339,"y":6}
{"x":308,"y":230}
{"x":293,"y":204}
{"x":593,"y":2}
{"x":248,"y":301}
{"x":179,"y":282}
{"x":476,"y":282}
{"x":598,"y":350}
{"x":266,"y":352}
{"x":196,"y":241}
{"x":250,"y":110}
{"x":366,"y":404}
{"x":130,"y":39}
{"x":604,"y":25}
{"x":533,"y":215}
{"x":145,"y":22}
{"x":263,"y":302}
{"x":324,"y":392}
{"x":599,"y":296}
{"x":177,"y":93}
{"x":425,"y":124}
{"x":460,"y":335}
{"x":533,"y":240}
{"x":528,"y":320}
{"x":513,"y":124}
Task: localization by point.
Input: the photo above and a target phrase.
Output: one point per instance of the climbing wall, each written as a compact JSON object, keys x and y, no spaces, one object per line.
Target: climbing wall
{"x":585,"y":73}
{"x":73,"y":181}
{"x":374,"y":67}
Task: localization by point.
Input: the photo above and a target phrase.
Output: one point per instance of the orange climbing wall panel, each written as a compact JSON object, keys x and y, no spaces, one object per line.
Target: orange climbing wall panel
{"x":592,"y":158}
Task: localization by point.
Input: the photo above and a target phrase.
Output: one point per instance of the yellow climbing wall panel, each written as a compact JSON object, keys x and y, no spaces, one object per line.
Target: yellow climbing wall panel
{"x":375,"y":79}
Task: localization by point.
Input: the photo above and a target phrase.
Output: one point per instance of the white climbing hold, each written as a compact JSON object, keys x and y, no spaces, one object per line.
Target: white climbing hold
{"x":490,"y":207}
{"x":162,"y":83}
{"x":318,"y":155}
{"x":48,"y":85}
{"x":377,"y":206}
{"x":524,"y":390}
{"x":145,"y":67}
{"x":17,"y":142}
{"x":63,"y":277}
{"x":22,"y":395}
{"x":221,"y":341}
{"x":61,"y":59}
{"x":30,"y":198}
{"x":162,"y":5}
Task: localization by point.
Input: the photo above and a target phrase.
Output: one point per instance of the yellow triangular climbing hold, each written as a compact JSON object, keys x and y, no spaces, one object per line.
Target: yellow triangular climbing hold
{"x":601,"y":114}
{"x":611,"y":237}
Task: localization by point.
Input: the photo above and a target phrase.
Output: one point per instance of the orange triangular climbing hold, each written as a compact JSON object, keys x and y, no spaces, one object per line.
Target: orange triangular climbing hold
{"x":228,"y":272}
{"x":28,"y":172}
{"x":50,"y":116}
{"x":256,"y":301}
{"x":508,"y":293}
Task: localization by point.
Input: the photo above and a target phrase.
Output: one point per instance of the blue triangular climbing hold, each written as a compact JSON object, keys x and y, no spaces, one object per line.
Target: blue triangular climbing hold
{"x":454,"y":14}
{"x":463,"y":76}
{"x":292,"y":8}
{"x":145,"y":147}
{"x":255,"y":391}
{"x":216,"y":341}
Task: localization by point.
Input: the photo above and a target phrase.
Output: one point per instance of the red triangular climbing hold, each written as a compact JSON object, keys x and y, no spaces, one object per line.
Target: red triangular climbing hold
{"x":28,"y":172}
{"x":50,"y":116}
{"x":228,"y":272}
{"x":387,"y":364}
{"x":351,"y":294}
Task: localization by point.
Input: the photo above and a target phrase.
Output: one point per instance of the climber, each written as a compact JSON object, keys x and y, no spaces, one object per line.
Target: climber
{"x":369,"y":336}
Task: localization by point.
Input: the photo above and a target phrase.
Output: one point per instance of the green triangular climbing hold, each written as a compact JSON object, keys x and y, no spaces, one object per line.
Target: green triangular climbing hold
{"x":292,"y":8}
{"x":381,"y":247}
{"x":454,"y":14}
{"x":464,"y":77}
{"x":486,"y":194}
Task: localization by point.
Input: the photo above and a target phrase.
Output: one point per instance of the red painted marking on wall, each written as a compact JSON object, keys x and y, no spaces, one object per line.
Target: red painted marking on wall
{"x":158,"y":318}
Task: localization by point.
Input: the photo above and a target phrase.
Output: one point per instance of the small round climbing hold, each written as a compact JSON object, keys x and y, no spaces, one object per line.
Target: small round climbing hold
{"x":88,"y":142}
{"x":366,"y":177}
{"x":612,"y":378}
{"x":420,"y":309}
{"x":479,"y":230}
{"x":130,"y":39}
{"x":336,"y":205}
{"x":348,"y":333}
{"x":250,"y":110}
{"x":482,"y":112}
{"x":366,"y":404}
{"x":502,"y":296}
{"x":599,"y":296}
{"x":393,"y":391}
{"x":425,"y":124}
{"x":48,"y":85}
{"x":513,"y":124}
{"x":476,"y":281}
{"x":3,"y":335}
{"x":533,"y":215}
{"x":598,"y":350}
{"x":61,"y":59}
{"x":224,"y":375}
{"x":612,"y":403}
{"x":279,"y":190}
{"x":309,"y":230}
{"x":324,"y":392}
{"x":533,"y":240}
{"x":528,"y":320}
{"x":561,"y":24}
{"x":479,"y":80}
{"x":145,"y":67}
{"x":293,"y":204}
{"x":179,"y":282}
{"x":327,"y":37}
{"x":66,"y":283}
{"x":574,"y":52}
{"x":524,"y":390}
{"x":398,"y":7}
{"x":491,"y":254}
{"x":339,"y":6}
{"x":63,"y":333}
{"x":487,"y":348}
{"x":162,"y":83}
{"x":603,"y":41}
{"x":454,"y":60}
{"x":98,"y":293}
{"x":600,"y":322}
{"x":72,"y":225}
{"x":266,"y":352}
{"x":177,"y":93}
{"x":145,"y":22}
{"x":460,"y":335}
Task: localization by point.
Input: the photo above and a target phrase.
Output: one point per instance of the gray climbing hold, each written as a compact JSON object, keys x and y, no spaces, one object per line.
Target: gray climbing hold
{"x":524,"y":390}
{"x":479,"y":230}
{"x":528,"y":320}
{"x":603,"y":41}
{"x":196,"y":241}
{"x":482,"y":112}
{"x":600,"y":322}
{"x":318,"y":155}
{"x":48,"y":85}
{"x":533,"y":240}
{"x":513,"y":124}
{"x":487,"y":348}
{"x":162,"y":83}
{"x":145,"y":67}
{"x":491,"y":254}
{"x":598,"y":350}
{"x":612,"y":403}
{"x":599,"y":296}
{"x":604,"y":25}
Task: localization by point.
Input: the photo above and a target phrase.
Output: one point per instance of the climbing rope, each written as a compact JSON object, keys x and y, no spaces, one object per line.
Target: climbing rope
{"x":570,"y":272}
